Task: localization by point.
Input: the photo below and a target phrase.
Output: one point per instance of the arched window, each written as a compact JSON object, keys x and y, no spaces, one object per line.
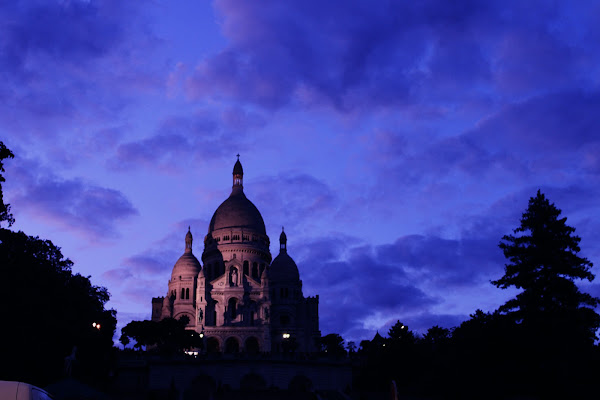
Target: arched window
{"x":182,"y":294}
{"x":246,"y":267}
{"x":187,"y":293}
{"x":255,"y":270}
{"x":232,"y":307}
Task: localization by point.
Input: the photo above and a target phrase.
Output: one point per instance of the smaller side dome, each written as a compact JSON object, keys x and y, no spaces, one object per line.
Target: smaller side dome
{"x":187,"y":265}
{"x":283,"y":268}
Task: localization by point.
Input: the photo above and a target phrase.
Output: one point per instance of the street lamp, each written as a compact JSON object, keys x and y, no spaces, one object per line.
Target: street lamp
{"x":286,"y":335}
{"x":96,"y":325}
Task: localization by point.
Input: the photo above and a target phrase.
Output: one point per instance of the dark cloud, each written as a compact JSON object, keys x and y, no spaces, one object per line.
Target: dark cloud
{"x":199,"y":137}
{"x":356,"y":286}
{"x":147,"y":265}
{"x":73,"y":31}
{"x":117,"y":276}
{"x":351,"y":55}
{"x":542,"y":126}
{"x":291,"y":197}
{"x":70,"y":64}
{"x":73,"y":203}
{"x":445,"y":262}
{"x":545,"y":141}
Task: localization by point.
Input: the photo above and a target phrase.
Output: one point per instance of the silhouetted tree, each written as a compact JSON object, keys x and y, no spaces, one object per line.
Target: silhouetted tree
{"x":543,"y":262}
{"x":167,"y":336}
{"x":400,"y":334}
{"x":47,"y":311}
{"x":333,"y":345}
{"x":351,"y":347}
{"x":437,"y":335}
{"x":365,"y":345}
{"x":550,"y":326}
{"x":5,"y":214}
{"x":124,"y":339}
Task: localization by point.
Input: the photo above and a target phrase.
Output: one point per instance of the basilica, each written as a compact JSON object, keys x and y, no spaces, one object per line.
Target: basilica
{"x":238,"y":298}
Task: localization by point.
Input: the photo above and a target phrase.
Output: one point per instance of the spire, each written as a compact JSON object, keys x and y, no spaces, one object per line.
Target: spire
{"x":282,"y":242}
{"x":188,"y":241}
{"x":238,"y":174}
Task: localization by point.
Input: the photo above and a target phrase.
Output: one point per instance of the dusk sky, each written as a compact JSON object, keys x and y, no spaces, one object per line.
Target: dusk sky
{"x":396,"y":141}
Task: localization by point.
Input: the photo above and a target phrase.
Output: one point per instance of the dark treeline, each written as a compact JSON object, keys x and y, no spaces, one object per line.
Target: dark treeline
{"x":541,"y":344}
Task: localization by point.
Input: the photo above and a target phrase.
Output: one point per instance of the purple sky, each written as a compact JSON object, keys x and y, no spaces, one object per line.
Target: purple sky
{"x":396,"y":141}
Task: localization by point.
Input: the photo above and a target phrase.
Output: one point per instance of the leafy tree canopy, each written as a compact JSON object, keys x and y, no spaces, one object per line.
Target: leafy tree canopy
{"x":333,"y":344}
{"x":50,"y":310}
{"x":400,"y":334}
{"x":167,"y":336}
{"x":437,"y":335}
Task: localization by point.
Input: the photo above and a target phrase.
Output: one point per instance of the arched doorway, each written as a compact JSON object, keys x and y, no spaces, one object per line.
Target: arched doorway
{"x":252,"y":346}
{"x":232,"y":345}
{"x":212,"y":345}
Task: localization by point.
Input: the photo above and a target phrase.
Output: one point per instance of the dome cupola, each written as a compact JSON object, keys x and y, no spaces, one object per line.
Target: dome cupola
{"x":187,"y":265}
{"x":282,"y":241}
{"x":238,"y":173}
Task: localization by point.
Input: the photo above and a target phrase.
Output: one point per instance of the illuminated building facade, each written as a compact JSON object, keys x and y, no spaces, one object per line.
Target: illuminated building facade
{"x":239,"y":298}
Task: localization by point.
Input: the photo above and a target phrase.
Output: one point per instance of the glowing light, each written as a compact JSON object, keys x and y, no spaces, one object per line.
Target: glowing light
{"x":201,"y":335}
{"x":286,"y":335}
{"x":94,"y":324}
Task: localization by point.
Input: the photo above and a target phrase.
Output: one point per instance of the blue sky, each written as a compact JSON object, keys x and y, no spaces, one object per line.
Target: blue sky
{"x":396,"y":141}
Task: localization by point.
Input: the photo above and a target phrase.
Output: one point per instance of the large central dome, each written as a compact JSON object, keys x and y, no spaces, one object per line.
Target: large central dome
{"x":237,"y":211}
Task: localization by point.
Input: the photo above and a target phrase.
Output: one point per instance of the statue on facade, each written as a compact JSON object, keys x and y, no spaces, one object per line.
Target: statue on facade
{"x":234,"y":277}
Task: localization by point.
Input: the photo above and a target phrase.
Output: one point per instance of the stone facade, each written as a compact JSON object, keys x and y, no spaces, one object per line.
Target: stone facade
{"x":241,"y":299}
